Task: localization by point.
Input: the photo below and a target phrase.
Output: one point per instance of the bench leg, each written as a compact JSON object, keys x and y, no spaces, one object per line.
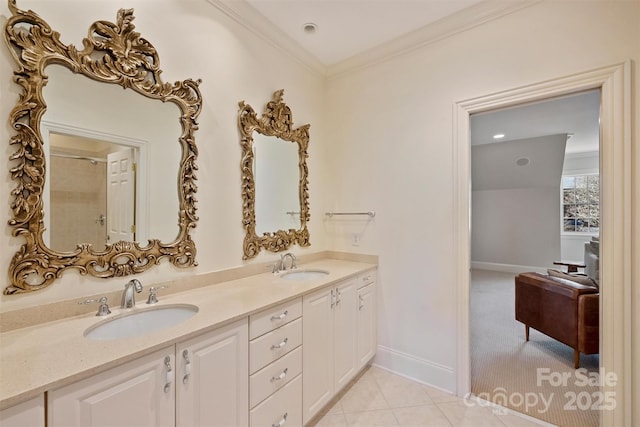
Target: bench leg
{"x":576,"y":359}
{"x":526,"y":332}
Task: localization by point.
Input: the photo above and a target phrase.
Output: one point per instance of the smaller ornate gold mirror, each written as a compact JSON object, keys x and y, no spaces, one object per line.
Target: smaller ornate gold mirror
{"x":275,"y":193}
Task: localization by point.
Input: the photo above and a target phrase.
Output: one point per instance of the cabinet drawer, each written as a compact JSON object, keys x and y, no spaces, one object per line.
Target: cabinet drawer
{"x":366,"y":278}
{"x":275,"y":376}
{"x":269,"y":347}
{"x":283,"y":408}
{"x":268,"y":320}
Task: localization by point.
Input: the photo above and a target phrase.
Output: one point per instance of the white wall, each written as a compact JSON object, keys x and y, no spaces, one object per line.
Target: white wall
{"x":516,"y":227}
{"x":194,"y":40}
{"x":391,"y":139}
{"x":515,"y":223}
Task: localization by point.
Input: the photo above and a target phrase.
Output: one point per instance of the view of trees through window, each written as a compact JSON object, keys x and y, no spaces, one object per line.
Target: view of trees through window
{"x":581,"y":203}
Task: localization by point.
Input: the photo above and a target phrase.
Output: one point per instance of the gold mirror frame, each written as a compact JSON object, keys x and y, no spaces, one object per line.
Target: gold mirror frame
{"x":275,"y":121}
{"x":112,"y":53}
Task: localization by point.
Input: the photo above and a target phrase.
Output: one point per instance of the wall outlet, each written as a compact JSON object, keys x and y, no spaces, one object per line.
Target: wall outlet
{"x":355,"y":239}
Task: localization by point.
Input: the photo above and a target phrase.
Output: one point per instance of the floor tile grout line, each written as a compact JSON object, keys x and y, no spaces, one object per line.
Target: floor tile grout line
{"x":445,"y":415}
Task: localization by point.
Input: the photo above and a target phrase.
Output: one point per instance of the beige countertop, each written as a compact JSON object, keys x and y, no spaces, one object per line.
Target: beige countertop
{"x":46,"y":356}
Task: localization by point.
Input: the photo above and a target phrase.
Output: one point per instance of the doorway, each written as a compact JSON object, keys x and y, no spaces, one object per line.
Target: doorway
{"x":522,"y":217}
{"x":92,"y":192}
{"x":615,"y":277}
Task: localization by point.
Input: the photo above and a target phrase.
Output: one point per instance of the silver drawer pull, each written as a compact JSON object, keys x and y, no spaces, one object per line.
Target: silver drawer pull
{"x":281,"y":376}
{"x":282,"y":422}
{"x":279,"y":346}
{"x":187,"y":366}
{"x":281,"y":317}
{"x":169,"y":375}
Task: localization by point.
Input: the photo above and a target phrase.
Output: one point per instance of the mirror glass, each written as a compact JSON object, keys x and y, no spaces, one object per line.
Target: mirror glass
{"x":275,"y":188}
{"x":277,"y":178}
{"x":100,"y":113}
{"x":77,"y":184}
{"x":137,"y":194}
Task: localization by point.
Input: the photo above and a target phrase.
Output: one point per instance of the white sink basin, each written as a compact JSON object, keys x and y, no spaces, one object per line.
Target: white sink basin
{"x":303,"y":274}
{"x":140,"y":322}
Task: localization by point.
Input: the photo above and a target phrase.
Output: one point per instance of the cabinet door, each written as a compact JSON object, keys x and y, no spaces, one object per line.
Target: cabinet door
{"x":29,"y":413}
{"x":213,"y":378}
{"x":367,"y":320}
{"x":317,"y":351}
{"x":344,"y":331}
{"x":138,"y":393}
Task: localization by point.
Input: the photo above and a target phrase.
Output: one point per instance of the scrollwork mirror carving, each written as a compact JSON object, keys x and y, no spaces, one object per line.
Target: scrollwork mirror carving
{"x":112,"y":53}
{"x":276,"y":121}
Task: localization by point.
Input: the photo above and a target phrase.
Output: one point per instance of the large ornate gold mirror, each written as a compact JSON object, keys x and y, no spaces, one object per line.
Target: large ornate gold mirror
{"x":275,"y":190}
{"x":104,"y":134}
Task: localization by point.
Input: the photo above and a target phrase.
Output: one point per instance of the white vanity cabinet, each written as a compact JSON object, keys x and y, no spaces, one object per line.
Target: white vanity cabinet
{"x":138,"y":393}
{"x":329,"y":343}
{"x":212,"y":378}
{"x":275,"y":365}
{"x":201,"y":381}
{"x":25,"y":414}
{"x":367,"y":336}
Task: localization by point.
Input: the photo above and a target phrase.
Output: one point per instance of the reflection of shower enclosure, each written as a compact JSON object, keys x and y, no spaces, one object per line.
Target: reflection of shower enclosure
{"x":78,"y":202}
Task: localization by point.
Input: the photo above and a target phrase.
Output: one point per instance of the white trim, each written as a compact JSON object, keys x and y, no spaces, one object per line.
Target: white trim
{"x":507,"y":268}
{"x":421,"y":370}
{"x":615,"y":235}
{"x":463,"y":20}
{"x":581,"y":172}
{"x":245,"y":15}
{"x":582,"y":154}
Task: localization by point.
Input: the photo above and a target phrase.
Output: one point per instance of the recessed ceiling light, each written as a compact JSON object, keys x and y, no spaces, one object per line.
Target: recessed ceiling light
{"x":522,"y":161}
{"x":310,"y":28}
{"x":498,"y":136}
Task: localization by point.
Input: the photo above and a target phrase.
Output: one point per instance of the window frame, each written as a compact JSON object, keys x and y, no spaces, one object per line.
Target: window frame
{"x":562,"y":203}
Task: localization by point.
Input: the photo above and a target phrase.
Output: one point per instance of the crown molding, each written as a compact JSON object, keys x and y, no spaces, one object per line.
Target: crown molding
{"x":582,"y":154}
{"x":242,"y":13}
{"x":448,"y":26}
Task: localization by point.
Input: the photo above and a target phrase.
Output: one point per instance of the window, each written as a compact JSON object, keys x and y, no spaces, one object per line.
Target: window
{"x":581,"y":203}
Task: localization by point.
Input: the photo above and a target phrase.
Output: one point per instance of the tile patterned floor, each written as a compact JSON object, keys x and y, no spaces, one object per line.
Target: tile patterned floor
{"x":380,"y":398}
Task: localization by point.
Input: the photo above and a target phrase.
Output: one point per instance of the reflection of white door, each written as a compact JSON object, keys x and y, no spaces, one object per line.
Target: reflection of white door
{"x":120,"y":196}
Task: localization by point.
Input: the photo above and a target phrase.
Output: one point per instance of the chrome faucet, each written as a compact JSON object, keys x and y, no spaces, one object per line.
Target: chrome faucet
{"x":283,"y":265}
{"x":128,"y":298}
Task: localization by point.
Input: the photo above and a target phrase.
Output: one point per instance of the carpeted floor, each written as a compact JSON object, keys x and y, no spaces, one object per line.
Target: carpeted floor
{"x":526,"y":376}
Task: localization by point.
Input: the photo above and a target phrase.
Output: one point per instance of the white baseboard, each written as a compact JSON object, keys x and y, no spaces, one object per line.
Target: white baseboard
{"x":508,"y":268}
{"x":415,"y":368}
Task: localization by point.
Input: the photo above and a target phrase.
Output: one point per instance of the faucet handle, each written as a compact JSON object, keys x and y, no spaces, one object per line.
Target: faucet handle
{"x":153,"y":297}
{"x":137,"y":286}
{"x":103,"y":310}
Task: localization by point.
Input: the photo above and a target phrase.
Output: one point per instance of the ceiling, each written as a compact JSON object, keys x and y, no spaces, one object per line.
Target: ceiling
{"x":346,"y":28}
{"x":355,"y":33}
{"x":497,"y":166}
{"x":577,"y":115}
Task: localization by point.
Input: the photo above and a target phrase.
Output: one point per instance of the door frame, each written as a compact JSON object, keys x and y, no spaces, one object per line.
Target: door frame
{"x":140,"y":147}
{"x":615,"y":237}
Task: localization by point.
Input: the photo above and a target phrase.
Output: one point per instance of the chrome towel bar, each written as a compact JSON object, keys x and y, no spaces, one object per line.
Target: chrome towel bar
{"x":371,"y":214}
